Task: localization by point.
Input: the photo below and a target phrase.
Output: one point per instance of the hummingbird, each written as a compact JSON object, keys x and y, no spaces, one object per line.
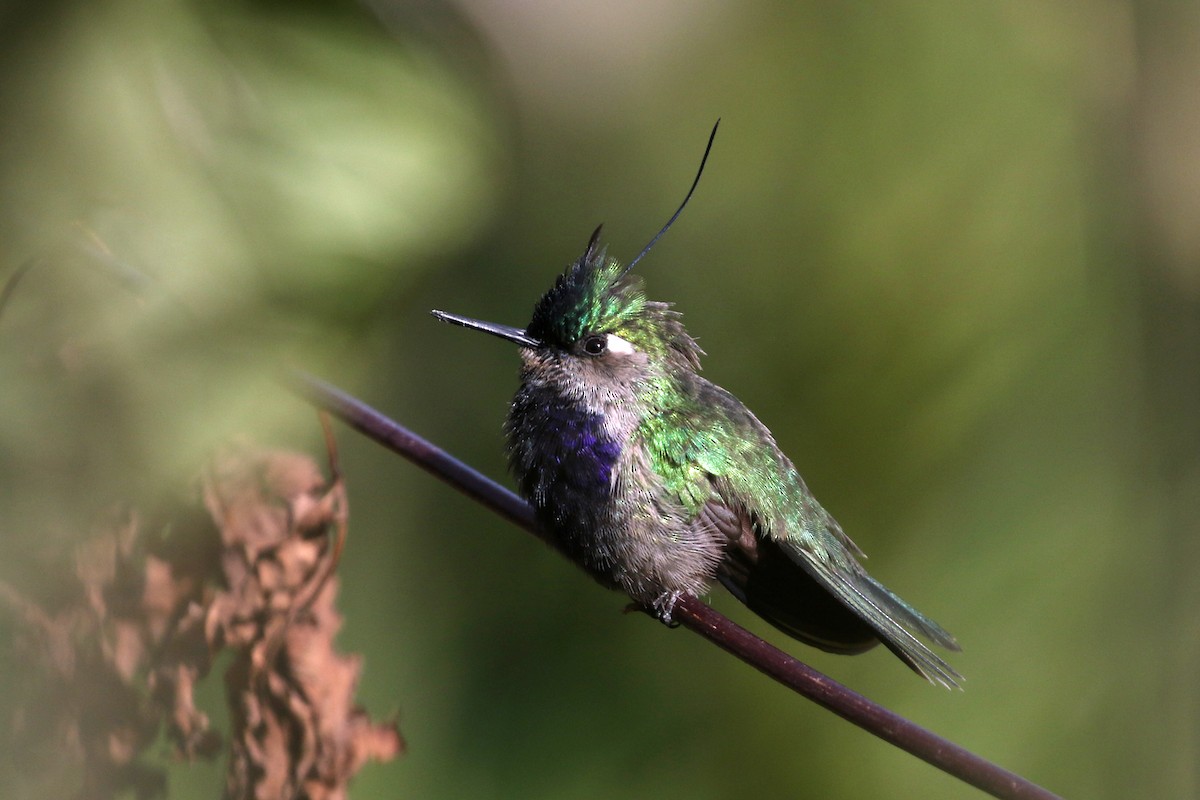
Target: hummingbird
{"x":660,"y":483}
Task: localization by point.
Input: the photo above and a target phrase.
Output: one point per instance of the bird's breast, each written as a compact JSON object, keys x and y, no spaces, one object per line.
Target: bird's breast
{"x":563,"y":458}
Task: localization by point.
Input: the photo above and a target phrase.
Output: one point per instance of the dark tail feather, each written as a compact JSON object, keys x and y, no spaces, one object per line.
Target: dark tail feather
{"x":908,"y":616}
{"x":892,"y":619}
{"x":838,"y":611}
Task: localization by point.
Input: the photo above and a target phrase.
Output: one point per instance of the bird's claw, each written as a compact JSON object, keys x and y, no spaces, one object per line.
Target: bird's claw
{"x":664,"y":606}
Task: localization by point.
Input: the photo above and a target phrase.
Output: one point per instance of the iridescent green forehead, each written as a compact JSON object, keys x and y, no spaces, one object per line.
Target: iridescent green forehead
{"x":592,"y":295}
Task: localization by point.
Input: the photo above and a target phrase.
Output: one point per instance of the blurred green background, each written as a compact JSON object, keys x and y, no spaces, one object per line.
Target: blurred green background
{"x":948,"y":252}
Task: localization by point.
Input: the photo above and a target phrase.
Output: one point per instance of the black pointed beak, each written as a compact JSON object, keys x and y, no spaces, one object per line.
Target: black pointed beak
{"x":503,"y":331}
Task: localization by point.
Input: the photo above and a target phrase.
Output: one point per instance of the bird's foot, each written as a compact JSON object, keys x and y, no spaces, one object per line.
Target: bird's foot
{"x":664,"y":605}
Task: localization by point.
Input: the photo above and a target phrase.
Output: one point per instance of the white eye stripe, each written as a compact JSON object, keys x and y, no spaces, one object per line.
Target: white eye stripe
{"x":618,"y":345}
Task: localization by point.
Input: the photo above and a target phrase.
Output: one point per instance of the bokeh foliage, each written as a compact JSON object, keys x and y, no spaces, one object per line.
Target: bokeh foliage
{"x":947,"y":252}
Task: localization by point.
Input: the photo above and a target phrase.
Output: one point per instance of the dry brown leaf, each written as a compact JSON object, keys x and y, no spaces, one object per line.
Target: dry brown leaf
{"x":153,"y":609}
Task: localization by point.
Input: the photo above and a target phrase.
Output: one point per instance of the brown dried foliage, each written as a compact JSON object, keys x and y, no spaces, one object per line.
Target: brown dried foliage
{"x":153,"y":604}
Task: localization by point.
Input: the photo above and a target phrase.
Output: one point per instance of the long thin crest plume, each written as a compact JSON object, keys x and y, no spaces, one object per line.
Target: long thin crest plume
{"x":597,"y":292}
{"x":678,"y":211}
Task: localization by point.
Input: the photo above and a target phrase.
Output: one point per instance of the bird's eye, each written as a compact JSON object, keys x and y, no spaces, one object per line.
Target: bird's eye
{"x":595,"y":345}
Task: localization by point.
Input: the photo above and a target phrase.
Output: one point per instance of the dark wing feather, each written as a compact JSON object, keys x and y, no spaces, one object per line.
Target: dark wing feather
{"x":759,"y":573}
{"x":787,"y":558}
{"x":879,"y":607}
{"x":822,"y":595}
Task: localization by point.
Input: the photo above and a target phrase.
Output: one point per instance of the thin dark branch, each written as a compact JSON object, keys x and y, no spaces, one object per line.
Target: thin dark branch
{"x":691,"y":612}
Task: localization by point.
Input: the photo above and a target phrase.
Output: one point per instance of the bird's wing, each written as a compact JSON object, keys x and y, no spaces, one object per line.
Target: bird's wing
{"x":896,"y":622}
{"x":774,"y":524}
